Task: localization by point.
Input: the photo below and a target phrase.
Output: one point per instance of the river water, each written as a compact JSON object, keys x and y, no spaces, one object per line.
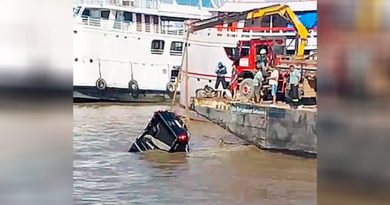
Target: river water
{"x":212,"y":173}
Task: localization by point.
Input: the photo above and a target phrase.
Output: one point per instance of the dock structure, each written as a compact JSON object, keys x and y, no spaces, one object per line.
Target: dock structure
{"x":267,"y":127}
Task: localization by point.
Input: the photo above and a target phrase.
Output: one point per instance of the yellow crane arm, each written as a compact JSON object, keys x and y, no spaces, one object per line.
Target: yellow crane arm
{"x":283,"y":10}
{"x":286,"y":12}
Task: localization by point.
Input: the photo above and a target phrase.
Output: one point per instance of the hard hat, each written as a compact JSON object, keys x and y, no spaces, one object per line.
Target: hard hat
{"x":220,"y":64}
{"x":263,"y":51}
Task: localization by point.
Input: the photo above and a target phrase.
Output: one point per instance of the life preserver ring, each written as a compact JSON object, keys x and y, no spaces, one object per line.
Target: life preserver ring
{"x":170,"y":87}
{"x":101,"y":84}
{"x":134,"y":89}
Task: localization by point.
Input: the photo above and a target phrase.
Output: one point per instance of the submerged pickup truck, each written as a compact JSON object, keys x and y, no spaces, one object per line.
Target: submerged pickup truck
{"x":165,"y":131}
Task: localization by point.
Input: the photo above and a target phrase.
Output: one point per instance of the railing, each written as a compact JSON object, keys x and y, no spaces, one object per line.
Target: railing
{"x":145,"y":4}
{"x":238,"y":33}
{"x":123,"y":25}
{"x":127,"y":26}
{"x":104,"y":23}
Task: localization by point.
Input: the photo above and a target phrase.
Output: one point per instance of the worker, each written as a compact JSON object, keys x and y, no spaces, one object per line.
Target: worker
{"x":234,"y":82}
{"x":273,"y":82}
{"x":257,"y":84}
{"x":295,"y":77}
{"x":221,"y":72}
{"x":261,"y":60}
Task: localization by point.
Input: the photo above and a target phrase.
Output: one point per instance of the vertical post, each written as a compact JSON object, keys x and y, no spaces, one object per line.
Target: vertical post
{"x":186,"y":95}
{"x":185,"y":76}
{"x":180,"y":75}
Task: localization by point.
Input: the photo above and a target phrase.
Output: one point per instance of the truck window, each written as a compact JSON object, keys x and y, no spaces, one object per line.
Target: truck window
{"x":232,"y":53}
{"x":244,"y":51}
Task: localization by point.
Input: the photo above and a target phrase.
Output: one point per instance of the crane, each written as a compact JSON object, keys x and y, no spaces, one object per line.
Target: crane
{"x":283,"y":10}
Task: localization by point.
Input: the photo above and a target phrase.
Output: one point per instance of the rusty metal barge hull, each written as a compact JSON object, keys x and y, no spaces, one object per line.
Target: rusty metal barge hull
{"x":274,"y":128}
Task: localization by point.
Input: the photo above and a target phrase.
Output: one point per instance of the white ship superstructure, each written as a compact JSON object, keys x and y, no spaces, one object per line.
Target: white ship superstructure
{"x":128,"y":50}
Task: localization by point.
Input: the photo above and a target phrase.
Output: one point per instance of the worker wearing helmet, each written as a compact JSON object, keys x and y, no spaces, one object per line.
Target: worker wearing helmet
{"x":221,"y":72}
{"x":261,"y":59}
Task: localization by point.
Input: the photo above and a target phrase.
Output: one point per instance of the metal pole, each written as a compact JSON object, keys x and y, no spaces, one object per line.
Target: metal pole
{"x":186,"y":95}
{"x":181,"y":70}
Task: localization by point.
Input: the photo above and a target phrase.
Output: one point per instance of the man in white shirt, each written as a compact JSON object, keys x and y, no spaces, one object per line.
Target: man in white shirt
{"x":273,"y":82}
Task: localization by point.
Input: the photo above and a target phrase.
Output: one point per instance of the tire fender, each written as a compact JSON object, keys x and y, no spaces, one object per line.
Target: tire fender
{"x":101,"y":84}
{"x":134,"y":89}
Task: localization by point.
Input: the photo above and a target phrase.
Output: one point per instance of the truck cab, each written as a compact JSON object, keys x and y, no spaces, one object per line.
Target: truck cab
{"x":248,"y":58}
{"x":249,"y":52}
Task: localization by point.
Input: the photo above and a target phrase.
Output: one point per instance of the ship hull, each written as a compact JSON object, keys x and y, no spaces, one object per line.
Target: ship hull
{"x":92,"y":94}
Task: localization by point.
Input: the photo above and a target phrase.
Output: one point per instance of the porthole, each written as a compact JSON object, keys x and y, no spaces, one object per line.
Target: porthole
{"x":90,"y":60}
{"x":76,"y":59}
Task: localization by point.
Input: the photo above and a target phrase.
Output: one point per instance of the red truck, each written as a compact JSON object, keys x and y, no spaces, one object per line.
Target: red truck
{"x":247,"y":58}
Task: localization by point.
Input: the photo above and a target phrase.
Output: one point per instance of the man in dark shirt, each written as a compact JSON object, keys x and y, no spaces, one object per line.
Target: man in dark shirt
{"x":221,"y":72}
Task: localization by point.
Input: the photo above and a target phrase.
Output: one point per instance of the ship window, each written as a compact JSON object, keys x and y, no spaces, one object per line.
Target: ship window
{"x":128,"y":16}
{"x":147,"y":19}
{"x":138,"y":16}
{"x":176,"y":48}
{"x":155,"y":19}
{"x":105,"y":14}
{"x":85,"y":12}
{"x":157,"y":46}
{"x":147,"y":23}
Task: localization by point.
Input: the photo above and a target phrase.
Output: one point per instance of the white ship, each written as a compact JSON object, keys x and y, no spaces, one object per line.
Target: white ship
{"x":131,"y":50}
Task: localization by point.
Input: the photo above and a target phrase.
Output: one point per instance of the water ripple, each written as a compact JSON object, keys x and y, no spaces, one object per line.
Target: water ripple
{"x":212,"y":173}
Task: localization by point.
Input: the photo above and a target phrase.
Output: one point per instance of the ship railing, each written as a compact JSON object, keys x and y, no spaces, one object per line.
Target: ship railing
{"x":104,"y":23}
{"x":172,"y":30}
{"x":145,"y":4}
{"x":123,"y":25}
{"x":128,"y":26}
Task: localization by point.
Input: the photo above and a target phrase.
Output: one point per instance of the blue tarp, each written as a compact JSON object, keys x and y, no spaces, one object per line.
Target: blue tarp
{"x":308,"y":18}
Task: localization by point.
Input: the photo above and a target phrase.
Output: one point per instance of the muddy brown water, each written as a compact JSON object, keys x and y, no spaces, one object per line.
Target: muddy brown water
{"x":212,"y":173}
